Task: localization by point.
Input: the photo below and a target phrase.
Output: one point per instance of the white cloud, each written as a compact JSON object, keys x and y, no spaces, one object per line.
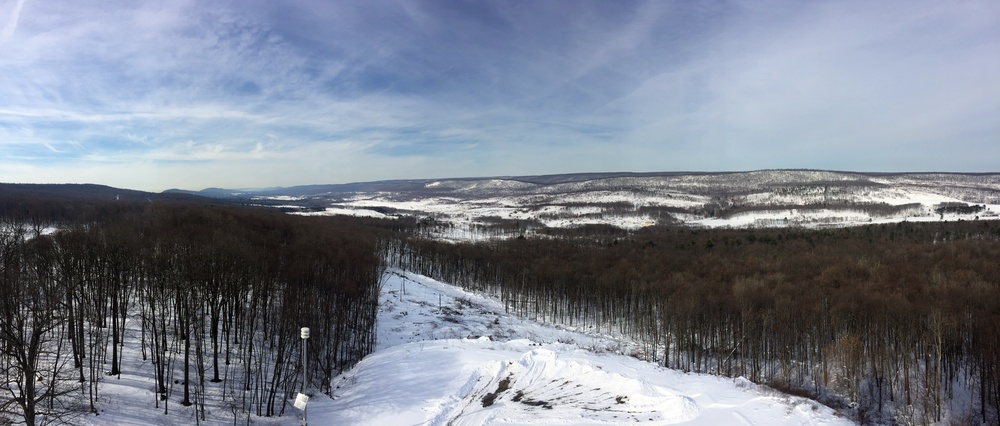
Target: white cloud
{"x":11,"y":26}
{"x":305,"y":92}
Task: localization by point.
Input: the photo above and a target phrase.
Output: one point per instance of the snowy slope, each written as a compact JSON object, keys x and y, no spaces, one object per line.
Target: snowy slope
{"x":449,"y":357}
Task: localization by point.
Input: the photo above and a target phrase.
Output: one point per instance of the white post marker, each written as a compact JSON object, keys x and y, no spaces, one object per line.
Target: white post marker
{"x":302,"y":399}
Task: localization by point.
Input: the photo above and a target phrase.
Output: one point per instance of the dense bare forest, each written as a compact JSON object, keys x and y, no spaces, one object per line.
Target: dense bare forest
{"x":213,"y":295}
{"x":898,"y":323}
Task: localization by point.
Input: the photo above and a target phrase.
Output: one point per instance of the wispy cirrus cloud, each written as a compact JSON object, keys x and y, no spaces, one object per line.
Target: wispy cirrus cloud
{"x":262,"y":93}
{"x":13,"y":14}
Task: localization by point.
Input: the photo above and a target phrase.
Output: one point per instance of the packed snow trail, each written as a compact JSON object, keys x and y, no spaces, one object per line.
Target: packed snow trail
{"x":451,"y":357}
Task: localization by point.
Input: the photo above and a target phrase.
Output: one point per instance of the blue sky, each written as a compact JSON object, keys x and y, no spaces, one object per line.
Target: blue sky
{"x":240,"y":94}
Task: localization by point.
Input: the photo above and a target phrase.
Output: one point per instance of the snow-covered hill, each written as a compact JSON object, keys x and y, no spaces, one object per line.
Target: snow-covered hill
{"x":767,"y":198}
{"x":449,"y":357}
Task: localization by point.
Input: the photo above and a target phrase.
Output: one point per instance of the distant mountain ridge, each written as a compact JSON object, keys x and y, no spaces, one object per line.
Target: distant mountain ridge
{"x":69,"y":191}
{"x":411,"y":184}
{"x":793,"y":197}
{"x":702,"y":182}
{"x":59,"y":203}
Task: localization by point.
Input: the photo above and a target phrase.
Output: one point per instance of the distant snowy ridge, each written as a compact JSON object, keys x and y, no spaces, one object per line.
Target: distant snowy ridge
{"x":811,"y":198}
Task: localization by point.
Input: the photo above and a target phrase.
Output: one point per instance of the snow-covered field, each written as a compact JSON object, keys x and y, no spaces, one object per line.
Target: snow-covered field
{"x":450,"y":357}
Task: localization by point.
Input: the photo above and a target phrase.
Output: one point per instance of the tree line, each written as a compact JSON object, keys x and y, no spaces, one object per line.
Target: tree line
{"x":895,"y":323}
{"x":206,"y":301}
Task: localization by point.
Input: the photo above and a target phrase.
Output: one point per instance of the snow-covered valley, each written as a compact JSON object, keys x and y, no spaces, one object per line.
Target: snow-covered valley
{"x":461,"y":208}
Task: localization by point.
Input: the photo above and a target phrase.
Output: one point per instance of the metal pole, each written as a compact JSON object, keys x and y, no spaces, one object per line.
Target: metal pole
{"x":305,"y":335}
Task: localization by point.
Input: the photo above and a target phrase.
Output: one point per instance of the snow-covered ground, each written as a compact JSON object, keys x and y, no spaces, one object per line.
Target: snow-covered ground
{"x":449,"y":357}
